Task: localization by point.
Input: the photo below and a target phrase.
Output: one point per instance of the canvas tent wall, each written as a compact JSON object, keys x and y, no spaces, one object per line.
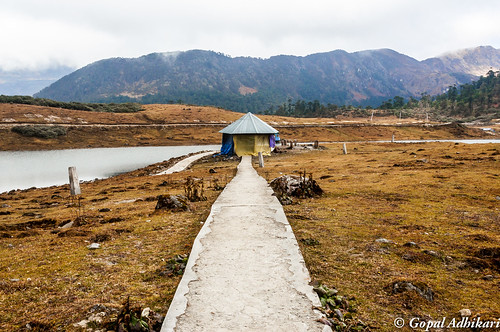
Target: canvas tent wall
{"x":248,"y":135}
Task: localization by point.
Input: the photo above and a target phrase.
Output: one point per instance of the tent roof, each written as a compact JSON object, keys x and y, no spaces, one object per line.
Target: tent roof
{"x":248,"y":124}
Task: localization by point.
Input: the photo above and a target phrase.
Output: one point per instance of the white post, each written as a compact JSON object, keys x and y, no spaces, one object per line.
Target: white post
{"x":74,"y":184}
{"x":345,"y":149}
{"x":392,"y":138}
{"x":261,"y":160}
{"x":371,"y":118}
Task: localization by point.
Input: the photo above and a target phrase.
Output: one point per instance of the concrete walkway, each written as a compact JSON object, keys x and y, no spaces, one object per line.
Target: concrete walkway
{"x":245,"y":271}
{"x":184,"y":163}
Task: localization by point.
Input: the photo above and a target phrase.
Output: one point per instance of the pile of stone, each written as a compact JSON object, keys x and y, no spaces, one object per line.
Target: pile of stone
{"x":338,"y":310}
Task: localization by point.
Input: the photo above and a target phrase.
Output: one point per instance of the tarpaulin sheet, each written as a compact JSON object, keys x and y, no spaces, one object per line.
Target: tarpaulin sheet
{"x":251,"y":145}
{"x":227,"y":147}
{"x":272,"y":141}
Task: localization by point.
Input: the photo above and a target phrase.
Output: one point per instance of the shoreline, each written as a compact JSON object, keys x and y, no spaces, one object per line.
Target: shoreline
{"x":168,"y":161}
{"x":206,"y":134}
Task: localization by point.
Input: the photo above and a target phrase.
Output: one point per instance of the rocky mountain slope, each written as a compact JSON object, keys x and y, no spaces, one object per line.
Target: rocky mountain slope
{"x":253,"y":84}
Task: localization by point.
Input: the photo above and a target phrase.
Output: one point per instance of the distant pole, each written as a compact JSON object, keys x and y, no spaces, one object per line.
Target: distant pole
{"x":345,"y":149}
{"x":261,"y":160}
{"x":371,"y":118}
{"x":316,"y":145}
{"x":74,"y":184}
{"x":426,"y":117}
{"x":392,"y":138}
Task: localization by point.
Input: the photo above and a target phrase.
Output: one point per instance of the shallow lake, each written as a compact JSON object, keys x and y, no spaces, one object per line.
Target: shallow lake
{"x":25,"y":169}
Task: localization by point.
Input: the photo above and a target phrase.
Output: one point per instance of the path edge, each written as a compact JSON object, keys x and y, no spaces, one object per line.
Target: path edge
{"x":179,"y":302}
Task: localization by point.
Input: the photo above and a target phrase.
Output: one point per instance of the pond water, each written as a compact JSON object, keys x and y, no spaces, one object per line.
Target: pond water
{"x":25,"y":169}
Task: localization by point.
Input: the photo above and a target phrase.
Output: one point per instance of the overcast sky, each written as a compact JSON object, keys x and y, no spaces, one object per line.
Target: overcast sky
{"x":39,"y":33}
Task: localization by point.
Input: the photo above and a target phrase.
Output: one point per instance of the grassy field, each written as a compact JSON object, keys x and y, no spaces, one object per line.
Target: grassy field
{"x":437,"y":205}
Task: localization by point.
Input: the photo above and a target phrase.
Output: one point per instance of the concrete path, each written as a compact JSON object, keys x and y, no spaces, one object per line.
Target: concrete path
{"x":245,"y":271}
{"x":184,"y":163}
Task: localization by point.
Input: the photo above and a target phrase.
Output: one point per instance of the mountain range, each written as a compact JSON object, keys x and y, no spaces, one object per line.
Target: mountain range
{"x":253,"y":84}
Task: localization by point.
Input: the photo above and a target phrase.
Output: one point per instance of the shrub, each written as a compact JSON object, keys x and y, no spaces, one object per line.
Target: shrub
{"x":40,"y":131}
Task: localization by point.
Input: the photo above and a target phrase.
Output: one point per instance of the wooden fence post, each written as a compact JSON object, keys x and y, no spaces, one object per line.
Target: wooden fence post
{"x":261,"y":160}
{"x":345,"y":149}
{"x":74,"y":184}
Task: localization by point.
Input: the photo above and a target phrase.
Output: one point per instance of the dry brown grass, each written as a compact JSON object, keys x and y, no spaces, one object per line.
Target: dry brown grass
{"x":161,"y":114}
{"x":442,"y":196}
{"x":59,"y":279}
{"x":160,"y":125}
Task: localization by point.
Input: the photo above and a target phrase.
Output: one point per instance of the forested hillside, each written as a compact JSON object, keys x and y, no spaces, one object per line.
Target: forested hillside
{"x":364,"y":78}
{"x":476,"y":100}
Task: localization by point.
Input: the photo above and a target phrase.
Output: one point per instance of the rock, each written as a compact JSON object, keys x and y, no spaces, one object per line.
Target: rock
{"x":431,"y":253}
{"x":420,"y":288}
{"x":145,"y":312}
{"x":82,"y":324}
{"x":383,"y":240}
{"x":324,"y":321}
{"x":212,"y":171}
{"x":465,"y":313}
{"x":68,"y":225}
{"x":410,"y":244}
{"x":339,"y":314}
{"x":488,"y":277}
{"x":173,"y":202}
{"x":5,"y":206}
{"x":94,"y":246}
{"x":97,"y":317}
{"x":104,"y":210}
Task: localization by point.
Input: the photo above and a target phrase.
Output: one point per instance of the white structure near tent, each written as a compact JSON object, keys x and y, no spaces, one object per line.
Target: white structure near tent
{"x":248,"y":136}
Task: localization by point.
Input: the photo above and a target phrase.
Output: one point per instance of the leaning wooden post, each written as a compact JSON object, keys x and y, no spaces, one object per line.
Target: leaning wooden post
{"x":261,"y":160}
{"x":345,"y":149}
